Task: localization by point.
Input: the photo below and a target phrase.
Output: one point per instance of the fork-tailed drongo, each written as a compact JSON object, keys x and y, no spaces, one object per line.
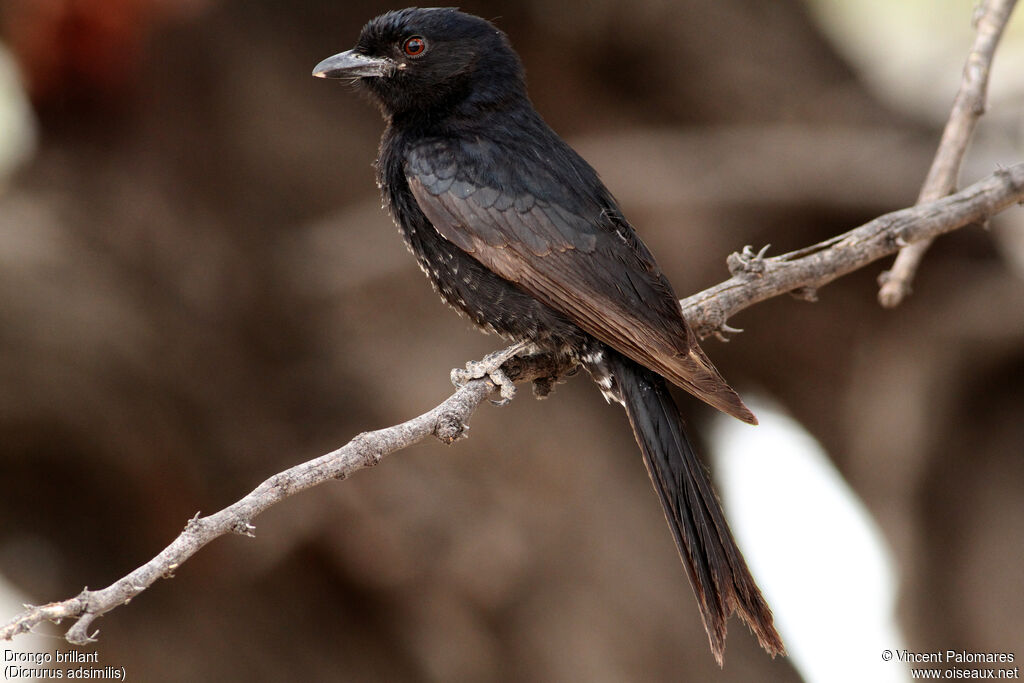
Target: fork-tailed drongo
{"x":516,"y":231}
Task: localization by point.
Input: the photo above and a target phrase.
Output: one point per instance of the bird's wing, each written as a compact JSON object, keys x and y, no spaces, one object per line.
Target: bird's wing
{"x":571,"y":251}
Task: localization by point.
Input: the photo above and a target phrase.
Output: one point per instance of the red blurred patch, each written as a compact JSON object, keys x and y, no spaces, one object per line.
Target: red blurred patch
{"x":91,"y":50}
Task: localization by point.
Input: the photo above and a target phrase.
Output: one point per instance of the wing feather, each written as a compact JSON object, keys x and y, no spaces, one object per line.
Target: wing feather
{"x":577,"y":257}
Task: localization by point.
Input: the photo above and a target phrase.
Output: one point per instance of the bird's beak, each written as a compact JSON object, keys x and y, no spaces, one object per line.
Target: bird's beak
{"x":351,"y":64}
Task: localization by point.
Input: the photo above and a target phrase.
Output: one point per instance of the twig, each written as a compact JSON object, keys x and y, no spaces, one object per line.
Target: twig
{"x":968,"y":106}
{"x":447,"y":422}
{"x":803,"y":272}
{"x":754,"y":279}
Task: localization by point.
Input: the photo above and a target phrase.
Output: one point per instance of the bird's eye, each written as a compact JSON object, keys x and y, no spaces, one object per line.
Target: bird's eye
{"x":414,"y":46}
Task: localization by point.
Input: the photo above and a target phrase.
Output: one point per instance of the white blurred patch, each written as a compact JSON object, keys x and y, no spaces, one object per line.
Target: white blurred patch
{"x":11,"y":603}
{"x":912,"y":52}
{"x":817,"y":554}
{"x":17,"y":122}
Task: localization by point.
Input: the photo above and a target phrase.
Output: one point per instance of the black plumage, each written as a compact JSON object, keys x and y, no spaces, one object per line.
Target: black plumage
{"x":516,"y":231}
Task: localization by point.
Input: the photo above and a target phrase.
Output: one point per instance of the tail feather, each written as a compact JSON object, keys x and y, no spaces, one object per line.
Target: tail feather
{"x":718,"y":573}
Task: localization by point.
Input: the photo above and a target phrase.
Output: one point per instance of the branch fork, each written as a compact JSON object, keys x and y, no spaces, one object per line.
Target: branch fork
{"x":755,"y":278}
{"x":800,"y":272}
{"x":990,"y":18}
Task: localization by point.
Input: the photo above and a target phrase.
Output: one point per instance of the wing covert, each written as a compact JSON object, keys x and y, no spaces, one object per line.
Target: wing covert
{"x":569,"y":250}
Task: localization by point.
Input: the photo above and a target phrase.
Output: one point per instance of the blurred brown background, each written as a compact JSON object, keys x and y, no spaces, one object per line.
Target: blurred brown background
{"x":198,"y":289}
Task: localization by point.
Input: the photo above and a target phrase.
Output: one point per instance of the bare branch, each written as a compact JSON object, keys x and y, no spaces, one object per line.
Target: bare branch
{"x":447,"y":422}
{"x":754,"y":279}
{"x":968,"y":106}
{"x":803,"y":272}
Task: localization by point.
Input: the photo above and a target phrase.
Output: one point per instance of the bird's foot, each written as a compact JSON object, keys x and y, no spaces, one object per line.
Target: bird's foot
{"x":725,"y":329}
{"x":748,"y":261}
{"x":490,"y":367}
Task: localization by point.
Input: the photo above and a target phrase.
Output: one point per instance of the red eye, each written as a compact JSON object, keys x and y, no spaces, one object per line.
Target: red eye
{"x":414,"y":46}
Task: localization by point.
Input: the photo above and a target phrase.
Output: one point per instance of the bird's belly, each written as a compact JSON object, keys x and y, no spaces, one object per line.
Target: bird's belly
{"x":493,"y":303}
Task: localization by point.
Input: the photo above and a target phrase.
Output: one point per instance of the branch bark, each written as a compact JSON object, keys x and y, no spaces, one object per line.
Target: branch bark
{"x":754,"y":278}
{"x":802,"y":272}
{"x":968,"y":106}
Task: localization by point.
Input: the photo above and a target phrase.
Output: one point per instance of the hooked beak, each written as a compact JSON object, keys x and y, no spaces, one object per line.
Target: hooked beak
{"x":351,"y":64}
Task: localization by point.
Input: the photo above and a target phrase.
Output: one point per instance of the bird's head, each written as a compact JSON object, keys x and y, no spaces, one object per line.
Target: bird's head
{"x":425,"y":60}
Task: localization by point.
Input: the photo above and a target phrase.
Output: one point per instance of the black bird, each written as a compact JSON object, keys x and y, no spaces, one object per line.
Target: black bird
{"x":516,"y":231}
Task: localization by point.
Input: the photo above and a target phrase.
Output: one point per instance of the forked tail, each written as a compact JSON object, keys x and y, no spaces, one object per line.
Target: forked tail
{"x":717,"y":570}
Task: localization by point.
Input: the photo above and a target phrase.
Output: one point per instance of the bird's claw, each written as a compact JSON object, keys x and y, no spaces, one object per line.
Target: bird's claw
{"x":748,"y":261}
{"x":505,"y":386}
{"x":490,"y":367}
{"x":725,"y":329}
